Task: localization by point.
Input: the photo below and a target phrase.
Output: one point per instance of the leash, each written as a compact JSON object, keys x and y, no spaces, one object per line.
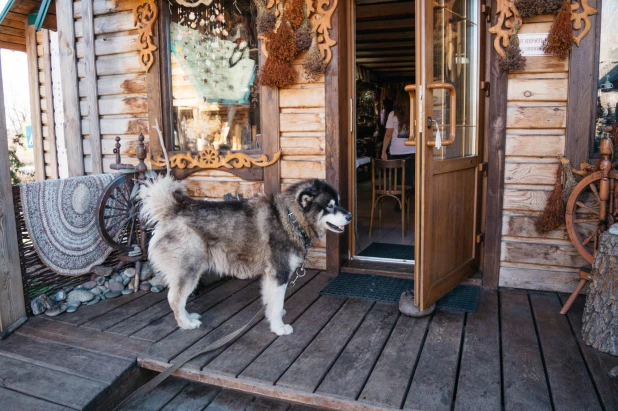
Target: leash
{"x":144,"y":389}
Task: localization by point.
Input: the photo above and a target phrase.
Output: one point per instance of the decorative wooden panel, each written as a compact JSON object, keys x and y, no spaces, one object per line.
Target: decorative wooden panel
{"x":144,"y":17}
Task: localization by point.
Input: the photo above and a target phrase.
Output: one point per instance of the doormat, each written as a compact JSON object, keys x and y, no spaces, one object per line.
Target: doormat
{"x":463,"y":298}
{"x":385,"y":250}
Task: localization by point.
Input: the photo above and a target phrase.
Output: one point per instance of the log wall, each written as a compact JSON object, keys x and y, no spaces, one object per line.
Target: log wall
{"x":535,"y":138}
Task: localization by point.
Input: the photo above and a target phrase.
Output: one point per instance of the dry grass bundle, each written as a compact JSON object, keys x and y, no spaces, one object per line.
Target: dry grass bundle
{"x":314,"y":65}
{"x":513,"y":60}
{"x":529,"y":8}
{"x":295,"y":12}
{"x":277,"y":73}
{"x":282,"y":43}
{"x":554,"y":214}
{"x":569,"y":179}
{"x":304,"y":36}
{"x":560,"y":39}
{"x":266,"y":22}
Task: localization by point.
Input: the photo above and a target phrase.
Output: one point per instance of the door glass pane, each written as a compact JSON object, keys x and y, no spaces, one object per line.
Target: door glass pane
{"x":455,"y":61}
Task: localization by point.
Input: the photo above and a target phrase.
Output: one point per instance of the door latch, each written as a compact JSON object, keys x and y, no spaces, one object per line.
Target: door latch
{"x":480,"y":238}
{"x":486,"y":10}
{"x":485,"y":86}
{"x":483,"y":167}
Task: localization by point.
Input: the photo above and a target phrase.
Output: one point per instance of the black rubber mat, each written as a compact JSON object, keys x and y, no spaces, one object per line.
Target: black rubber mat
{"x":384,"y":250}
{"x":463,"y":298}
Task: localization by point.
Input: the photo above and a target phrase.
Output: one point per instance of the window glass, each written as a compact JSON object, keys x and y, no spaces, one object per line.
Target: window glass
{"x":214,"y":63}
{"x":607,"y":88}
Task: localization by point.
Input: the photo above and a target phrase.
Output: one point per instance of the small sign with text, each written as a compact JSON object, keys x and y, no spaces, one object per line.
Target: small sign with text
{"x":532,"y":44}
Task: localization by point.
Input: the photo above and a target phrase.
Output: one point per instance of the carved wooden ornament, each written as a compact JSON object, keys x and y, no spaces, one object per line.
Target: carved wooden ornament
{"x":507,"y":15}
{"x":580,"y":17}
{"x":144,"y":17}
{"x":210,"y":158}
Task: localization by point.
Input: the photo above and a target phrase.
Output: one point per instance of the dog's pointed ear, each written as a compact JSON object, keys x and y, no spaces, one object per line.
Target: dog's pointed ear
{"x":305,"y":199}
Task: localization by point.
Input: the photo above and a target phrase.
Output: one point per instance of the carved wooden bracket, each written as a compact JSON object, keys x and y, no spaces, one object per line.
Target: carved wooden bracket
{"x":144,"y":17}
{"x":507,"y":15}
{"x":210,"y":158}
{"x":581,"y":16}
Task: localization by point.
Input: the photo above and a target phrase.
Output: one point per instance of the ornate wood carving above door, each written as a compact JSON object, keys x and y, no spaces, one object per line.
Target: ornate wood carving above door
{"x":144,"y":17}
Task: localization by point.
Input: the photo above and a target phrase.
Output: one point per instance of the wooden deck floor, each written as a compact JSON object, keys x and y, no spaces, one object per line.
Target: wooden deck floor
{"x":516,"y":352}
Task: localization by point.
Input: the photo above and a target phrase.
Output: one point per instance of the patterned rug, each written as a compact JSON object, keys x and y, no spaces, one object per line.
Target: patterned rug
{"x":61,"y":219}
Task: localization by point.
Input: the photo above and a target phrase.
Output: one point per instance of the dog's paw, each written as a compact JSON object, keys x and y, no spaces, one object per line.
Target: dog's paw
{"x":285,"y":330}
{"x":283,"y":312}
{"x":190,"y":325}
{"x":194,"y":316}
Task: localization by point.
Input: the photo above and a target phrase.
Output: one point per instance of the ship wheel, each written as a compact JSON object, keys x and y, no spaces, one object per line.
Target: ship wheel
{"x":118,"y":212}
{"x":591,"y":209}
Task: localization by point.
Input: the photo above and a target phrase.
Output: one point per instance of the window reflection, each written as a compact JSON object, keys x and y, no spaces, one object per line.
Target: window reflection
{"x":214,"y":63}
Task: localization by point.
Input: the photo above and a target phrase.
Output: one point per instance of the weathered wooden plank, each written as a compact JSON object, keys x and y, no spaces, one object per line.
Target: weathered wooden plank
{"x":311,"y":366}
{"x":132,"y":126}
{"x":35,"y":104}
{"x":49,"y":105}
{"x":163,"y":326}
{"x":479,"y":386}
{"x":389,"y":379}
{"x":90,"y":340}
{"x":117,"y":84}
{"x":523,"y":226}
{"x":434,"y":380}
{"x":125,"y":63}
{"x":533,"y":115}
{"x":571,"y":386}
{"x":114,"y":317}
{"x":530,"y":173}
{"x":530,"y":200}
{"x":538,"y":90}
{"x":537,"y":253}
{"x":92,"y":93}
{"x":57,"y":387}
{"x":125,"y":105}
{"x":302,"y":122}
{"x":69,"y":82}
{"x":159,"y":397}
{"x":535,"y":145}
{"x":14,"y":400}
{"x":539,"y":279}
{"x":193,"y":397}
{"x":303,"y":169}
{"x":267,"y":404}
{"x":598,"y":363}
{"x":302,"y":97}
{"x":111,"y":23}
{"x":235,"y":358}
{"x":217,"y":188}
{"x":88,"y":313}
{"x":105,"y":45}
{"x":316,"y":259}
{"x":230,"y":400}
{"x":524,"y":382}
{"x":544,"y":64}
{"x":273,"y":362}
{"x":303,"y":145}
{"x":105,"y":7}
{"x":64,"y":358}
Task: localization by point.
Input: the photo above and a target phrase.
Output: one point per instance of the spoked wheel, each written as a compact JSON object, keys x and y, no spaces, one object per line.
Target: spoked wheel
{"x":118,"y":213}
{"x":588,"y":214}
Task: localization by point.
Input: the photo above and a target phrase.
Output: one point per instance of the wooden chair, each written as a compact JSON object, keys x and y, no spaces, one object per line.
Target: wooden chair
{"x":384,"y":183}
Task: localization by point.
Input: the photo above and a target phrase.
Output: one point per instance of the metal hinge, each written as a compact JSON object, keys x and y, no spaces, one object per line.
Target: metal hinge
{"x":483,"y":167}
{"x":486,"y":87}
{"x":480,"y":238}
{"x":486,"y":10}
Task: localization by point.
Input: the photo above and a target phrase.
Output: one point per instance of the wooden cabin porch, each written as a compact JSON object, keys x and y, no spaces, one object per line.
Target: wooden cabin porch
{"x":516,"y":352}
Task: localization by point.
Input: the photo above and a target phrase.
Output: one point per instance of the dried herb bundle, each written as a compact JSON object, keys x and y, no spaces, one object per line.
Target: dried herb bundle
{"x":277,"y":73}
{"x":529,"y":8}
{"x":282,"y":43}
{"x":295,"y":12}
{"x":560,"y":39}
{"x":513,"y":60}
{"x":266,"y":22}
{"x":313,"y":64}
{"x":554,"y":214}
{"x":304,"y":36}
{"x":569,"y":179}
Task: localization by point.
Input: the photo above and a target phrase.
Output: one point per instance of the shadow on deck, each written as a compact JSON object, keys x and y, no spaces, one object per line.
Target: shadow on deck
{"x":516,"y":352}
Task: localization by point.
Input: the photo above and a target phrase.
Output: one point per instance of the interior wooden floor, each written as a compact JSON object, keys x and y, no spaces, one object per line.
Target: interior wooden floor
{"x":516,"y":352}
{"x":390,"y":231}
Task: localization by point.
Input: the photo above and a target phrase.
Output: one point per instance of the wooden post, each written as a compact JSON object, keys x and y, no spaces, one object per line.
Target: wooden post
{"x":12,"y":309}
{"x":70,"y":95}
{"x":49,"y":99}
{"x":35,"y":103}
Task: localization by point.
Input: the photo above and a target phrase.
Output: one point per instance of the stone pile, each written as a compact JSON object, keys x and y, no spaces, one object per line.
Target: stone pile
{"x":104,"y":284}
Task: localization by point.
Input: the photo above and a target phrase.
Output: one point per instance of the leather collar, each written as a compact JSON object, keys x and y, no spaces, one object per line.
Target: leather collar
{"x":300,"y":230}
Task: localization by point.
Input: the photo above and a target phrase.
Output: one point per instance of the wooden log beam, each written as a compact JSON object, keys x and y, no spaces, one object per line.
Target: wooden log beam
{"x":380,"y":11}
{"x":70,"y":97}
{"x":35,"y":104}
{"x":12,"y":308}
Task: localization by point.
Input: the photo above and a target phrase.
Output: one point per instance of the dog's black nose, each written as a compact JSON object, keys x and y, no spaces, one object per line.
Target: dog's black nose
{"x":349,"y":217}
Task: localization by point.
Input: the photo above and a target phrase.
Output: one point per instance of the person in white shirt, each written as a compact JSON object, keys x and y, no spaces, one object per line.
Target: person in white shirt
{"x":397,"y":132}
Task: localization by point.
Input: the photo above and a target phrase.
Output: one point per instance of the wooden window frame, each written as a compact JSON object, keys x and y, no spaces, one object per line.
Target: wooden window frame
{"x":581,"y":106}
{"x":159,"y":86}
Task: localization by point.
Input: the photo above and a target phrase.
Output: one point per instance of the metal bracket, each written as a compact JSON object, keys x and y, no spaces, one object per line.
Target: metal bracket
{"x":486,"y":87}
{"x":486,"y":10}
{"x":483,"y":167}
{"x":480,"y":238}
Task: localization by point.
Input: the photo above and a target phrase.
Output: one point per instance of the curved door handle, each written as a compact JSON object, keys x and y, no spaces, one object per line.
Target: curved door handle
{"x":411,"y":89}
{"x":453,"y":111}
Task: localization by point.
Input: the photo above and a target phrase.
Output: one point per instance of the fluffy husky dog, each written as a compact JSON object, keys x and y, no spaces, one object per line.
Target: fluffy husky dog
{"x":262,"y":236}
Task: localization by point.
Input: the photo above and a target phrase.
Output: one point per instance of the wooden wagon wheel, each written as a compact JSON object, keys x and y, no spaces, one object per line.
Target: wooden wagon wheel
{"x":118,"y":214}
{"x":592,"y":208}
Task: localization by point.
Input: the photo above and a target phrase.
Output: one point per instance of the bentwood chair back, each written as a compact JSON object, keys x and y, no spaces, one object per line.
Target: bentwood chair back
{"x":388,"y":179}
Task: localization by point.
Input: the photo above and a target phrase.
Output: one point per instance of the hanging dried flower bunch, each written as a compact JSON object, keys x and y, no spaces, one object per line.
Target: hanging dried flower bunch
{"x":295,"y":12}
{"x":277,"y":73}
{"x":314,"y":64}
{"x":513,"y":60}
{"x":304,"y":36}
{"x":554,"y":214}
{"x":560,"y":39}
{"x":569,"y":179}
{"x":529,"y":8}
{"x":282,"y":43}
{"x":265,"y":20}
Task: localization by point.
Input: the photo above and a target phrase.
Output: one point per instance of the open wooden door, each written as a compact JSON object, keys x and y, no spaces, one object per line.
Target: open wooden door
{"x":446,"y":108}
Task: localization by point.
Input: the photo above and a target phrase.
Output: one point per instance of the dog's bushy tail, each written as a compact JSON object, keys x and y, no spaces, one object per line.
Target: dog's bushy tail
{"x":159,"y":198}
